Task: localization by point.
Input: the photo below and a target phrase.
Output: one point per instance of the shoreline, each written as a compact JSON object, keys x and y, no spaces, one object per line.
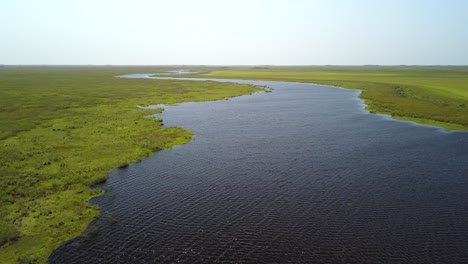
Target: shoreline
{"x":349,"y":121}
{"x":71,"y":151}
{"x":372,"y":105}
{"x":368,"y":103}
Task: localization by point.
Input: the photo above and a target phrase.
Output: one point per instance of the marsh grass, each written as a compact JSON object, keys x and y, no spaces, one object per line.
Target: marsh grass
{"x":62,"y":129}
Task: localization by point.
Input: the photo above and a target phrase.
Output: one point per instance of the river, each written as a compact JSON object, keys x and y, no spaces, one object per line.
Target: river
{"x":299,"y":175}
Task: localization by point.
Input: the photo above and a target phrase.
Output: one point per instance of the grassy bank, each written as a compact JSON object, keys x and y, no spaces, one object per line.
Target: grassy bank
{"x":62,"y":129}
{"x":429,"y":95}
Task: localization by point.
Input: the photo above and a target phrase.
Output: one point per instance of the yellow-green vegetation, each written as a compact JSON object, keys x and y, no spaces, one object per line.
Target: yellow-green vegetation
{"x":62,"y":129}
{"x":429,"y":95}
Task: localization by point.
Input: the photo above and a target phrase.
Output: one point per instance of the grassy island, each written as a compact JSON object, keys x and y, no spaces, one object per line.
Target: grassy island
{"x":62,"y":129}
{"x":433,"y":95}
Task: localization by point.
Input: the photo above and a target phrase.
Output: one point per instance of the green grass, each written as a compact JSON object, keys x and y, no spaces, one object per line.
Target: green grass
{"x":62,"y":129}
{"x":428,"y":95}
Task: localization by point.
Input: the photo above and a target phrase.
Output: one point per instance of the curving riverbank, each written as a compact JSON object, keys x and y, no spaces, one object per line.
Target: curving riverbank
{"x":300,"y":175}
{"x":50,"y":160}
{"x":432,"y":95}
{"x":63,"y":130}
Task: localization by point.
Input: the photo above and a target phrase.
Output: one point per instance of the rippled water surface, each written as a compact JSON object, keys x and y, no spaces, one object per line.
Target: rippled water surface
{"x":299,"y":175}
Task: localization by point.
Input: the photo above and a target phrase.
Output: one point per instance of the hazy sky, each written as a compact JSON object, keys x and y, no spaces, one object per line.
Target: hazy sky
{"x":234,"y":32}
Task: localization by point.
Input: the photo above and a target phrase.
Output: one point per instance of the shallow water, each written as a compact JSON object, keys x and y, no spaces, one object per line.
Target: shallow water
{"x":299,"y":175}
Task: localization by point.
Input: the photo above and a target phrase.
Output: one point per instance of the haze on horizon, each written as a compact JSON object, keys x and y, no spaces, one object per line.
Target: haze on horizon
{"x":240,"y":32}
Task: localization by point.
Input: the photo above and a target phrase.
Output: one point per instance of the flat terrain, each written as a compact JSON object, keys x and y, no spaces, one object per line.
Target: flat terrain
{"x":62,"y":129}
{"x":430,"y":95}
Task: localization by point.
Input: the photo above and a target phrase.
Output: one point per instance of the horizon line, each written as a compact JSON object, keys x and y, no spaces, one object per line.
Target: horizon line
{"x":242,"y":65}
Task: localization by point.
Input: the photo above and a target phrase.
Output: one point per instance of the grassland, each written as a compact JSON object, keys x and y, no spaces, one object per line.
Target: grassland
{"x":428,"y":95}
{"x":62,"y":129}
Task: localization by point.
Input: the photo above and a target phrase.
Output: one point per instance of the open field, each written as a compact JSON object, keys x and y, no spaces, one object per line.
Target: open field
{"x":430,"y":95}
{"x":62,"y":129}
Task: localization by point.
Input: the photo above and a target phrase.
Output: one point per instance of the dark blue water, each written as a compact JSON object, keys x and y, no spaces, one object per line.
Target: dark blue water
{"x":299,"y":175}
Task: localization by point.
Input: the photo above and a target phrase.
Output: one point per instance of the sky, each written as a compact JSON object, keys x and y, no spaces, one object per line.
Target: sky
{"x":237,"y":32}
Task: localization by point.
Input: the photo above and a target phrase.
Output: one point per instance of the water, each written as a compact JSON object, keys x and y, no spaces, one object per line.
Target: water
{"x":299,"y":175}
